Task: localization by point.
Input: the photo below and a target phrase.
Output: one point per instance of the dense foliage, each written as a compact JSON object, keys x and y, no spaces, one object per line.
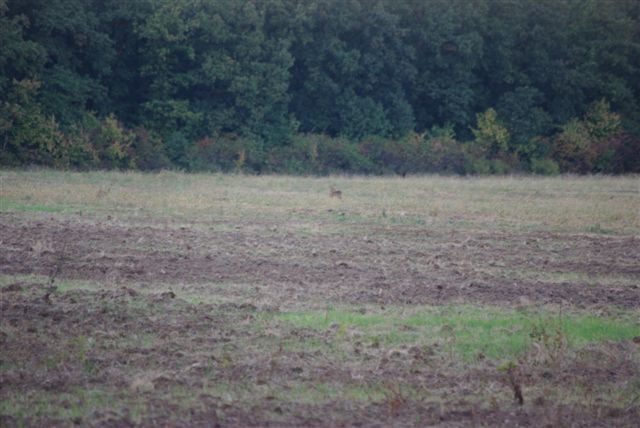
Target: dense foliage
{"x":316,"y":86}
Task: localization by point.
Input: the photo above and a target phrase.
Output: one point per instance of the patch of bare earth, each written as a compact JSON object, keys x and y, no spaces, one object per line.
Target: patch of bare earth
{"x":155,"y":358}
{"x":363,"y":265}
{"x":61,"y":343}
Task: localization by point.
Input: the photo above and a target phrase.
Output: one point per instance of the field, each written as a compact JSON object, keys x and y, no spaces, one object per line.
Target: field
{"x":168,"y":299}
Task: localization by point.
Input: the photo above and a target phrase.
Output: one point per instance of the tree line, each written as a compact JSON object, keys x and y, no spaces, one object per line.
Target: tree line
{"x":321,"y":86}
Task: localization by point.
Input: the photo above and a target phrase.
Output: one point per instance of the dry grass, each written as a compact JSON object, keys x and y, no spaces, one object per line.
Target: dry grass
{"x":581,"y":204}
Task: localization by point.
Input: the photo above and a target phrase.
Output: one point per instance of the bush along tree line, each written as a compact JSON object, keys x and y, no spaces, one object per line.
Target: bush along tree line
{"x":321,"y":86}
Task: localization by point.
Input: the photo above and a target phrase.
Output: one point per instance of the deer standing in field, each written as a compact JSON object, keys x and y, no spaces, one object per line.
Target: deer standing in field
{"x":335,"y":193}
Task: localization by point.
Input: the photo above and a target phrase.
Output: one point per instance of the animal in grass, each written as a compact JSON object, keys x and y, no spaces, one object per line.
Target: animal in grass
{"x":335,"y":193}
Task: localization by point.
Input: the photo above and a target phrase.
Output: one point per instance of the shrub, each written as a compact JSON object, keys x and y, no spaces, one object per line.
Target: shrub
{"x":28,"y":136}
{"x":491,"y":137}
{"x":600,"y":121}
{"x":299,"y":157}
{"x":544,"y":167}
{"x":177,"y":148}
{"x":227,"y":153}
{"x":386,"y":155}
{"x":571,"y":147}
{"x":499,"y":167}
{"x":148,"y":150}
{"x":404,"y":155}
{"x":81,"y":153}
{"x":627,"y":154}
{"x":342,"y":155}
{"x":112,"y":143}
{"x":445,"y":154}
{"x":477,"y":166}
{"x":590,"y":144}
{"x":319,"y":154}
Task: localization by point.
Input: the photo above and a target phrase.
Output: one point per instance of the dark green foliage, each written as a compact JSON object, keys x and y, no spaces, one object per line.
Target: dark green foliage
{"x":626,"y":157}
{"x":78,"y":54}
{"x":20,"y":58}
{"x":212,"y":68}
{"x":544,"y":167}
{"x":177,"y":148}
{"x":445,"y":36}
{"x":319,"y":86}
{"x":27,"y":134}
{"x":526,"y":120}
{"x":351,"y":70}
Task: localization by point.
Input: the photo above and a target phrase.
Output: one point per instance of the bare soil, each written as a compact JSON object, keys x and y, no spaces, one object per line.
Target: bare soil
{"x":155,"y":356}
{"x":358,"y":264}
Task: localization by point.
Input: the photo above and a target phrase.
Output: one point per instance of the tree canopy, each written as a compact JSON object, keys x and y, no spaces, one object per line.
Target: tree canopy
{"x":259,"y":84}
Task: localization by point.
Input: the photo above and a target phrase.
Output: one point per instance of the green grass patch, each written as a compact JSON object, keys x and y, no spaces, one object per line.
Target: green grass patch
{"x":7,"y":205}
{"x":466,"y":330}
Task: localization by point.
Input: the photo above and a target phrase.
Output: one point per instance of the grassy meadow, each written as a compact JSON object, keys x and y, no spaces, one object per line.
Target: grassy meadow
{"x":572,"y":203}
{"x":234,"y":300}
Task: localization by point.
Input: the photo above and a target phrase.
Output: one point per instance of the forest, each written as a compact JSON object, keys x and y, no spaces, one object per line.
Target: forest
{"x":322,"y":86}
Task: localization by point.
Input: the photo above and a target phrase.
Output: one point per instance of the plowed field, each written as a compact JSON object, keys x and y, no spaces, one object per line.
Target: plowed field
{"x":211,"y":300}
